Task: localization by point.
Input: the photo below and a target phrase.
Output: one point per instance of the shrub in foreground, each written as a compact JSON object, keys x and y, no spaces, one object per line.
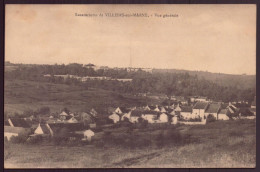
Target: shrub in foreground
{"x":20,"y":139}
{"x":211,"y":118}
{"x":35,"y":139}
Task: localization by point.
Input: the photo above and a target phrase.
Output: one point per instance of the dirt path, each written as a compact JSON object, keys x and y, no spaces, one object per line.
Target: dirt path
{"x":135,"y":160}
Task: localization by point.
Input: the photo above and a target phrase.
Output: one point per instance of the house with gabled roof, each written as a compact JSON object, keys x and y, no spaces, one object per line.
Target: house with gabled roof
{"x":52,"y":128}
{"x":199,"y":109}
{"x":243,"y":112}
{"x":115,"y":117}
{"x":150,"y":116}
{"x":14,"y":131}
{"x":88,"y":134}
{"x":18,"y":122}
{"x":72,"y":120}
{"x":121,"y":110}
{"x":162,"y":109}
{"x":186,"y":112}
{"x":163,"y":118}
{"x":157,"y":108}
{"x":126,"y":115}
{"x":232,"y":109}
{"x":172,"y":112}
{"x":86,"y":117}
{"x":63,"y":116}
{"x":213,"y":109}
{"x":15,"y":126}
{"x":43,"y":129}
{"x":168,"y":109}
{"x":149,"y":107}
{"x":177,"y":108}
{"x":93,"y":112}
{"x":223,"y":114}
{"x":172,"y":106}
{"x":135,"y":115}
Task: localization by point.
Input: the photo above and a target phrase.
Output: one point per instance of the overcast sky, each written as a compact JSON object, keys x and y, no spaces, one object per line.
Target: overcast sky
{"x":214,"y":38}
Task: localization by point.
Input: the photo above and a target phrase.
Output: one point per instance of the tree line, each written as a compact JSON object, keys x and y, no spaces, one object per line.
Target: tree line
{"x":178,"y":84}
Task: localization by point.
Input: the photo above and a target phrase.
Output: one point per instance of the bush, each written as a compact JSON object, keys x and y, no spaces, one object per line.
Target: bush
{"x":143,"y":142}
{"x":56,"y":140}
{"x":211,"y":118}
{"x":159,"y":140}
{"x":20,"y":139}
{"x":235,"y":133}
{"x":99,"y":143}
{"x":43,"y":110}
{"x":76,"y":142}
{"x":174,"y":137}
{"x":142,"y":124}
{"x":170,"y":137}
{"x":35,"y":139}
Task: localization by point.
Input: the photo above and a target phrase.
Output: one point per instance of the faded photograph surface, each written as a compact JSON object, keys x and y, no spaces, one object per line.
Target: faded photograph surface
{"x":130,"y":86}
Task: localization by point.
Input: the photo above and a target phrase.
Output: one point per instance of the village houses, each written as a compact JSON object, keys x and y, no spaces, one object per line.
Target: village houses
{"x":85,"y":122}
{"x":198,"y":110}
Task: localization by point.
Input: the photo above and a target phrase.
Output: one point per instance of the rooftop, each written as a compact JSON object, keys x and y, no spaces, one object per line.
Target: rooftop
{"x":200,"y":105}
{"x":213,"y":108}
{"x":223,"y":111}
{"x":186,"y":109}
{"x":136,"y":113}
{"x":19,"y":122}
{"x":124,"y":109}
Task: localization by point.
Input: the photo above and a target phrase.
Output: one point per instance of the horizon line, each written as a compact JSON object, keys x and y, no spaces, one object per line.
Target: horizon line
{"x":190,"y":70}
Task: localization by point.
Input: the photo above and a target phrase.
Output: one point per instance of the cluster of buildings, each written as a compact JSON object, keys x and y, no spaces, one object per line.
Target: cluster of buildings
{"x":79,"y":125}
{"x":182,"y":112}
{"x":84,"y":124}
{"x":87,"y":78}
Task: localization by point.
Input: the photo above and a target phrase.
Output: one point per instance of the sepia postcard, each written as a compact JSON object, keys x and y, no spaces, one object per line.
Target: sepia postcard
{"x":130,"y":86}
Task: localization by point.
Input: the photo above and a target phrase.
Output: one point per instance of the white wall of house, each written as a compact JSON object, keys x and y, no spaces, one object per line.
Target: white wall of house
{"x":177,"y":109}
{"x":88,"y":134}
{"x":147,"y":108}
{"x":174,"y":120}
{"x":72,"y":120}
{"x":186,"y":115}
{"x":157,"y":109}
{"x":222,"y":117}
{"x":115,"y":117}
{"x":163,"y":110}
{"x":198,"y":113}
{"x":118,"y":111}
{"x":149,"y":118}
{"x":38,"y":130}
{"x":126,"y":115}
{"x":9,"y":135}
{"x":134,"y":119}
{"x":173,"y":112}
{"x":163,"y":118}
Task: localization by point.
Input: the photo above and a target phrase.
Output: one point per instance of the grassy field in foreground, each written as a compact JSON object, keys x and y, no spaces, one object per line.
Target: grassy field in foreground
{"x":21,"y":95}
{"x":225,"y":144}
